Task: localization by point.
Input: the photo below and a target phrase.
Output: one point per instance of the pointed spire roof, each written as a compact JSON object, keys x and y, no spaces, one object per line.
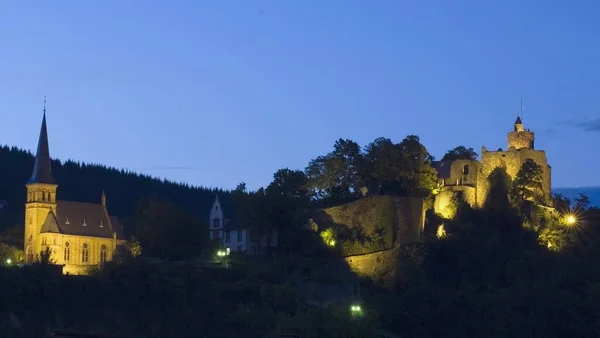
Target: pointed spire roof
{"x":42,"y":169}
{"x":518,"y":121}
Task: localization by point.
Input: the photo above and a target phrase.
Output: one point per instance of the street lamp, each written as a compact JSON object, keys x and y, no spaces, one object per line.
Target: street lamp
{"x":8,"y":261}
{"x":570,"y":219}
{"x":356,"y":310}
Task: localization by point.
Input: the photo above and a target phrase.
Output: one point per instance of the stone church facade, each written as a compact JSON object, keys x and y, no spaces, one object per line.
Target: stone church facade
{"x":469,"y":178}
{"x":79,"y":235}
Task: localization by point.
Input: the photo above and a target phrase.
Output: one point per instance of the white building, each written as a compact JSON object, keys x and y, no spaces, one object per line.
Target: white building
{"x":224,"y":226}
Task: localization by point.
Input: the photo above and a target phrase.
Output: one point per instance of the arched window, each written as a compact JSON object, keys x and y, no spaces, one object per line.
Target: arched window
{"x":29,"y":256}
{"x":466,"y":170}
{"x":84,"y":253}
{"x":67,"y":252}
{"x":216,"y":223}
{"x":103,"y":254}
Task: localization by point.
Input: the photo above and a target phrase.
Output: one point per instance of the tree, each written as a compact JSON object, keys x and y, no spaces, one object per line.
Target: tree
{"x":288,"y":200}
{"x":498,"y":197}
{"x":460,"y":153}
{"x":167,"y":231}
{"x":13,"y":236}
{"x":400,"y":169}
{"x":339,"y":175}
{"x":582,"y":202}
{"x":561,"y":202}
{"x":45,"y":257}
{"x":528,"y":183}
{"x":12,"y":253}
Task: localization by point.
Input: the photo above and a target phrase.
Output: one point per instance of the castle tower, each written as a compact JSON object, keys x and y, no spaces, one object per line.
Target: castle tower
{"x":520,"y":138}
{"x":41,"y":195}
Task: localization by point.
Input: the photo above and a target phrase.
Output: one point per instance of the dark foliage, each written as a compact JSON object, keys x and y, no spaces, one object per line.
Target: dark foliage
{"x":85,"y":182}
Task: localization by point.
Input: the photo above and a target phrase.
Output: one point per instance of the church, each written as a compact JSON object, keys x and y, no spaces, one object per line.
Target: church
{"x":79,"y":235}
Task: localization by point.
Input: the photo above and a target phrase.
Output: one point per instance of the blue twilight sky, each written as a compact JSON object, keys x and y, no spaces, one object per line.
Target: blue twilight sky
{"x":217,"y":92}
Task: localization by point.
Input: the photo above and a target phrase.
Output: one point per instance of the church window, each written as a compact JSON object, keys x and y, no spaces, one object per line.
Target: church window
{"x":84,"y":253}
{"x":103,"y":254}
{"x":67,"y":221}
{"x":43,"y":241}
{"x":216,"y":223}
{"x":84,"y":223}
{"x":67,"y":252}
{"x":101,"y":225}
{"x":227,"y":236}
{"x":239,"y":235}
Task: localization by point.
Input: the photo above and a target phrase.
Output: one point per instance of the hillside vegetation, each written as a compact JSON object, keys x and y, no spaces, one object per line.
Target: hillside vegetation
{"x":372,"y":223}
{"x":85,"y":183}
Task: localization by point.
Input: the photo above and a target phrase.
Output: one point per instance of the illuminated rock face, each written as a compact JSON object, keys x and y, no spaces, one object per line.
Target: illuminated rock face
{"x":469,"y":179}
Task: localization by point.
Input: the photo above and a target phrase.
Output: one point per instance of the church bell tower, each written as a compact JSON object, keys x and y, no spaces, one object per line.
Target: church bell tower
{"x":41,"y":195}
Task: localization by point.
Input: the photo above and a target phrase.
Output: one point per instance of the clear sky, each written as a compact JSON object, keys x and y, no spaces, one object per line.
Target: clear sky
{"x":217,"y":92}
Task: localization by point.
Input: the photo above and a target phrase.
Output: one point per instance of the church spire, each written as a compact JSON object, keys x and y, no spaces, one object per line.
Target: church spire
{"x":42,"y":169}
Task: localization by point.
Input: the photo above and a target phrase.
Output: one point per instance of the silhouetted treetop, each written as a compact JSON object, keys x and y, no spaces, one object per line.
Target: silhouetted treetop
{"x":84,"y":182}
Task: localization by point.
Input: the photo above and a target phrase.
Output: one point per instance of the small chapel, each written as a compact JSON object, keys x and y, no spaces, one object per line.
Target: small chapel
{"x":79,"y":235}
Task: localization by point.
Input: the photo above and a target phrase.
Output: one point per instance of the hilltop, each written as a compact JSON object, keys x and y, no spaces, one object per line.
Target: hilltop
{"x":85,"y":182}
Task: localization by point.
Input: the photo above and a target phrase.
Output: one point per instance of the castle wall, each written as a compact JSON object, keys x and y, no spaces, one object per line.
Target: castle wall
{"x":457,"y":173}
{"x":521,"y":139}
{"x":381,"y":266}
{"x":445,"y":204}
{"x":511,"y":160}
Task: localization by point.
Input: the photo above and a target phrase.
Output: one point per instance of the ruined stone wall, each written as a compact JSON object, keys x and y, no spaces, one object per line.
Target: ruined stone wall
{"x":521,"y":139}
{"x":457,"y":175}
{"x":511,"y":160}
{"x":381,"y":267}
{"x":444,"y":204}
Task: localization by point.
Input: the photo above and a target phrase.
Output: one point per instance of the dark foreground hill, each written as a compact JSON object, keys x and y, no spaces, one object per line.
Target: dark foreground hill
{"x":85,"y":183}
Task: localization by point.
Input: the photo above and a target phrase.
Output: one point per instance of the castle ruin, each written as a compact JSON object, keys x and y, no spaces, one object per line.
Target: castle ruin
{"x":468,"y":179}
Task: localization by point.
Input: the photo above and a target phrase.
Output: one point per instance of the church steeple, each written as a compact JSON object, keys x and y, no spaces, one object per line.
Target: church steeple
{"x":42,"y":169}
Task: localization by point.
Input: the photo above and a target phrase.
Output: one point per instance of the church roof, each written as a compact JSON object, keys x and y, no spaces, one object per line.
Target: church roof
{"x":42,"y":170}
{"x":518,"y":121}
{"x":82,"y":219}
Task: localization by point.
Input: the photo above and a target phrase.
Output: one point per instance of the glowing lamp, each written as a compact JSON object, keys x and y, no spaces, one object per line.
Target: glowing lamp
{"x":9,"y":261}
{"x":571,"y":219}
{"x":355,"y":309}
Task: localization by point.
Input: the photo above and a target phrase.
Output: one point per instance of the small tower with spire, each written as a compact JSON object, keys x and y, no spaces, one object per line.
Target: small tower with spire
{"x":41,"y":194}
{"x":520,"y":138}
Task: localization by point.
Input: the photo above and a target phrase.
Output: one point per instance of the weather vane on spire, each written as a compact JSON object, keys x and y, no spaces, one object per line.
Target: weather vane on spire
{"x":44,"y":104}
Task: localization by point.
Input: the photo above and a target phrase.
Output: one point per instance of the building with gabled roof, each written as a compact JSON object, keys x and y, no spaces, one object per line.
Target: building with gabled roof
{"x":79,"y":235}
{"x":226,"y":226}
